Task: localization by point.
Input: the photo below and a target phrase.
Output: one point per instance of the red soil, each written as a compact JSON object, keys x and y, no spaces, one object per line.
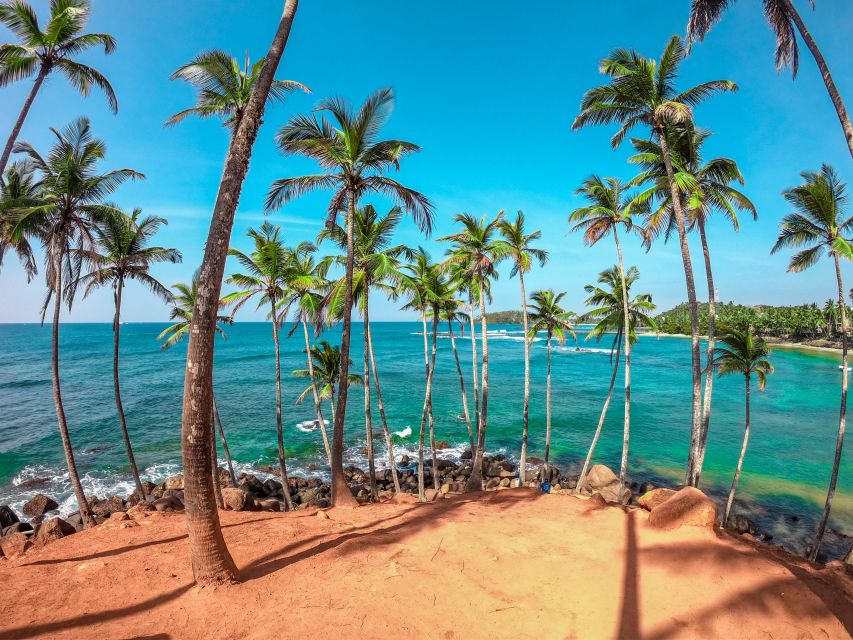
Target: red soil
{"x":508,"y":564}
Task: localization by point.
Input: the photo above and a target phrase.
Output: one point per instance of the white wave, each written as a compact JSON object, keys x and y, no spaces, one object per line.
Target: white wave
{"x":405,"y":433}
{"x":309,"y":426}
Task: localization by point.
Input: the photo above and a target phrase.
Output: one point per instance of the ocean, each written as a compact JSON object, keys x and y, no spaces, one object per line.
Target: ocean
{"x":786,"y":470}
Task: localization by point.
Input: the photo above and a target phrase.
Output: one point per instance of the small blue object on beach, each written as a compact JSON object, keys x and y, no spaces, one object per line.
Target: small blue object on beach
{"x":546,"y":487}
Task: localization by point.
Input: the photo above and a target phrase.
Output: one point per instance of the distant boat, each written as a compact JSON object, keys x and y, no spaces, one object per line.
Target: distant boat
{"x":310,"y":425}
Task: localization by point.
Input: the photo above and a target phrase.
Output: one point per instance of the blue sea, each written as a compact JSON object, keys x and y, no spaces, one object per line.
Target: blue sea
{"x":786,"y":471}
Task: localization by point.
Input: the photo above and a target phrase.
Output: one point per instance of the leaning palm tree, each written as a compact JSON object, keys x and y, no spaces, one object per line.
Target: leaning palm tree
{"x":356,"y":161}
{"x":476,"y":251}
{"x":265,"y":280}
{"x":451,"y":314}
{"x":212,"y":563}
{"x":547,"y":315}
{"x":610,"y":205}
{"x":745,"y":353}
{"x":71,"y":193}
{"x":523,"y":254}
{"x":224,"y":89}
{"x":819,"y":224}
{"x":782,"y":17}
{"x":325,"y":373}
{"x":18,"y":190}
{"x":122,"y":254}
{"x":41,"y":52}
{"x":642,"y":92}
{"x":609,"y":309}
{"x":703,"y":187}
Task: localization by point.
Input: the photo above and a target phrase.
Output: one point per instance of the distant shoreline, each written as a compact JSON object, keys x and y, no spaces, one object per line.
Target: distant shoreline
{"x":818,"y":344}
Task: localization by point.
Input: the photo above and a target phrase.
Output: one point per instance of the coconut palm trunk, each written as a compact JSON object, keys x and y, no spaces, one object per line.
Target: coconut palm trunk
{"x":279,"y":427}
{"x":225,"y":448}
{"x":318,"y":409}
{"x":474,"y":365}
{"x":211,"y":561}
{"x":425,"y":414}
{"x":368,"y":418}
{"x":696,"y":416}
{"x":522,"y":465}
{"x":736,"y":478}
{"x":435,"y":485}
{"x":65,"y":436}
{"x":116,"y":385}
{"x":842,"y":418}
{"x":475,"y":480}
{"x":626,"y":330}
{"x":547,"y":475}
{"x":214,"y":466}
{"x":19,"y":123}
{"x":392,"y":461}
{"x":709,"y":367}
{"x":461,"y":384}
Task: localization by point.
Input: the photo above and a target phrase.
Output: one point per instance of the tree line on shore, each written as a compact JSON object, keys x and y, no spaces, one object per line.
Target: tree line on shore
{"x":59,"y":200}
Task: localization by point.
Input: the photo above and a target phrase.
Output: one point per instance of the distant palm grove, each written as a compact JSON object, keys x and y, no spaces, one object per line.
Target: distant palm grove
{"x":57,"y":218}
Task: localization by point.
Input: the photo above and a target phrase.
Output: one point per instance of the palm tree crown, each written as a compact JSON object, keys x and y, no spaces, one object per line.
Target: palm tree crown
{"x":183,"y":303}
{"x":606,"y":300}
{"x":476,"y":248}
{"x":742,"y":352}
{"x":547,"y":315}
{"x":327,"y":370}
{"x":610,"y":204}
{"x":18,"y":190}
{"x":267,"y":267}
{"x":520,"y":245}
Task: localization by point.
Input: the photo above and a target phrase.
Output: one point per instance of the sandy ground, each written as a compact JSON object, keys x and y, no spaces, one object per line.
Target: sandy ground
{"x":508,"y":564}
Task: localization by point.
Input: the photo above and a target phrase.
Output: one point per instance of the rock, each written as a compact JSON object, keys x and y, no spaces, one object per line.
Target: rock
{"x":269,"y":504}
{"x":174,"y":482}
{"x":105,"y":507}
{"x":653,"y":498}
{"x":492,"y":483}
{"x":39,"y":505}
{"x":18,"y":527}
{"x":687,"y":507}
{"x":505,"y":482}
{"x":467,"y":455}
{"x":405,"y":461}
{"x":251,"y":484}
{"x":431,"y":494}
{"x":272,"y":487}
{"x":534,"y":460}
{"x":445,"y":488}
{"x":442,"y":444}
{"x":237,"y":499}
{"x":551,"y":474}
{"x":500,"y":469}
{"x":140,"y":511}
{"x":403,"y":498}
{"x":322,"y":515}
{"x":168,"y":503}
{"x":14,"y":545}
{"x":7,"y":517}
{"x":598,"y":477}
{"x":34,"y":483}
{"x":646,"y":487}
{"x":119,"y":515}
{"x":741,"y":524}
{"x":75,"y":520}
{"x":51,"y":530}
{"x":568,"y":483}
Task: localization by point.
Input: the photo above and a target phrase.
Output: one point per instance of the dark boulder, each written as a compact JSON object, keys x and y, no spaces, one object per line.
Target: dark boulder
{"x":238,"y":499}
{"x":442,"y":444}
{"x":251,"y":484}
{"x":7,"y":516}
{"x":272,"y":487}
{"x":18,"y":527}
{"x":467,"y":455}
{"x":39,"y":505}
{"x":51,"y":530}
{"x":168,"y":503}
{"x":107,"y":506}
{"x":741,"y":524}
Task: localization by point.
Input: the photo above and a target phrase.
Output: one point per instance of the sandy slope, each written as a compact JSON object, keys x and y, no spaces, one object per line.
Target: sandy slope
{"x":509,"y":564}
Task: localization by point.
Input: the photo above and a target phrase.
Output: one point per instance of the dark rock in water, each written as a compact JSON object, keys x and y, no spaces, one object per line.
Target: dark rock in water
{"x":795,"y":518}
{"x":34,"y":483}
{"x":442,"y":444}
{"x":51,"y":530}
{"x":39,"y":505}
{"x":534,"y":460}
{"x":18,"y":527}
{"x":498,"y":457}
{"x":7,"y":516}
{"x":741,"y":524}
{"x":97,"y":449}
{"x":467,"y":455}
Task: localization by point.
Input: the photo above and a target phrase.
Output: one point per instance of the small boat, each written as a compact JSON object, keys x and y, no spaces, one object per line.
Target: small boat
{"x":310,"y":425}
{"x":841,"y":368}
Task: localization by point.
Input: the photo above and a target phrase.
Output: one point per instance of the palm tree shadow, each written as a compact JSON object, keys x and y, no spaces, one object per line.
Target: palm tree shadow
{"x":629,"y":616}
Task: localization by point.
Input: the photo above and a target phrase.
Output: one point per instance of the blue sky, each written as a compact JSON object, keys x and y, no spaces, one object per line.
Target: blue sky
{"x":489,"y":91}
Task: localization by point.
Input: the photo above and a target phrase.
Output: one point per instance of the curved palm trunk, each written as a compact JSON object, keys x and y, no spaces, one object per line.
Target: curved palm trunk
{"x":709,"y":367}
{"x":431,"y":413}
{"x":368,"y":418}
{"x":211,"y":561}
{"x":424,"y":414}
{"x":837,"y":102}
{"x":842,"y":418}
{"x":16,"y":130}
{"x":736,"y":479}
{"x":341,"y":494}
{"x":585,"y":469}
{"x":461,"y":385}
{"x":332,"y":402}
{"x":474,"y":375}
{"x":65,"y":436}
{"x":224,"y":443}
{"x":475,"y":480}
{"x":279,"y":428}
{"x":214,"y":466}
{"x":522,"y":465}
{"x":696,"y":418}
{"x":392,"y":461}
{"x":317,"y":404}
{"x":626,"y":330}
{"x":547,"y":475}
{"x":119,"y":407}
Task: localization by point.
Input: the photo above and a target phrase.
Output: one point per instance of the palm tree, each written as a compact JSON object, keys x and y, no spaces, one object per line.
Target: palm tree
{"x":326,"y":368}
{"x":476,"y":252}
{"x":121,"y":253}
{"x":356,"y":162}
{"x":212,"y":563}
{"x":377,"y":266}
{"x":547,"y":315}
{"x":819,"y":223}
{"x":704,"y":187}
{"x":782,"y":17}
{"x":609,"y":206}
{"x":224,"y":89}
{"x":70,"y":203}
{"x":53,"y":49}
{"x":642,"y":92}
{"x":451,"y":313}
{"x":18,"y":190}
{"x":265,"y":278}
{"x":745,"y":353}
{"x":183,"y":304}
{"x":609,"y":309}
{"x":523,"y":253}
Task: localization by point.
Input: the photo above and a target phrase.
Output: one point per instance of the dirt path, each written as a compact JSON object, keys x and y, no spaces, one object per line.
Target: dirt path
{"x":510,"y":564}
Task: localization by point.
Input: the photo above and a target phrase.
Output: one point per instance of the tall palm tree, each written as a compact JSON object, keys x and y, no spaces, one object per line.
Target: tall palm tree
{"x":819,"y":224}
{"x":121,"y":254}
{"x":265,"y":280}
{"x":609,"y":309}
{"x":642,"y":92}
{"x":476,"y":251}
{"x":782,"y":17}
{"x":224,"y":89}
{"x":610,"y":205}
{"x":377,"y":266}
{"x":182,"y":310}
{"x":451,"y":314}
{"x":745,"y":353}
{"x":212,"y":563}
{"x":703,"y":187}
{"x":326,"y":368}
{"x":71,"y":194}
{"x":18,"y":190}
{"x":41,"y":52}
{"x":523,"y":254}
{"x":547,"y":315}
{"x":356,"y":161}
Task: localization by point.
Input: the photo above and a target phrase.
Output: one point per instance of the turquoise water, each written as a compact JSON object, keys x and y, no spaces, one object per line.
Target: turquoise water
{"x":786,"y":470}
